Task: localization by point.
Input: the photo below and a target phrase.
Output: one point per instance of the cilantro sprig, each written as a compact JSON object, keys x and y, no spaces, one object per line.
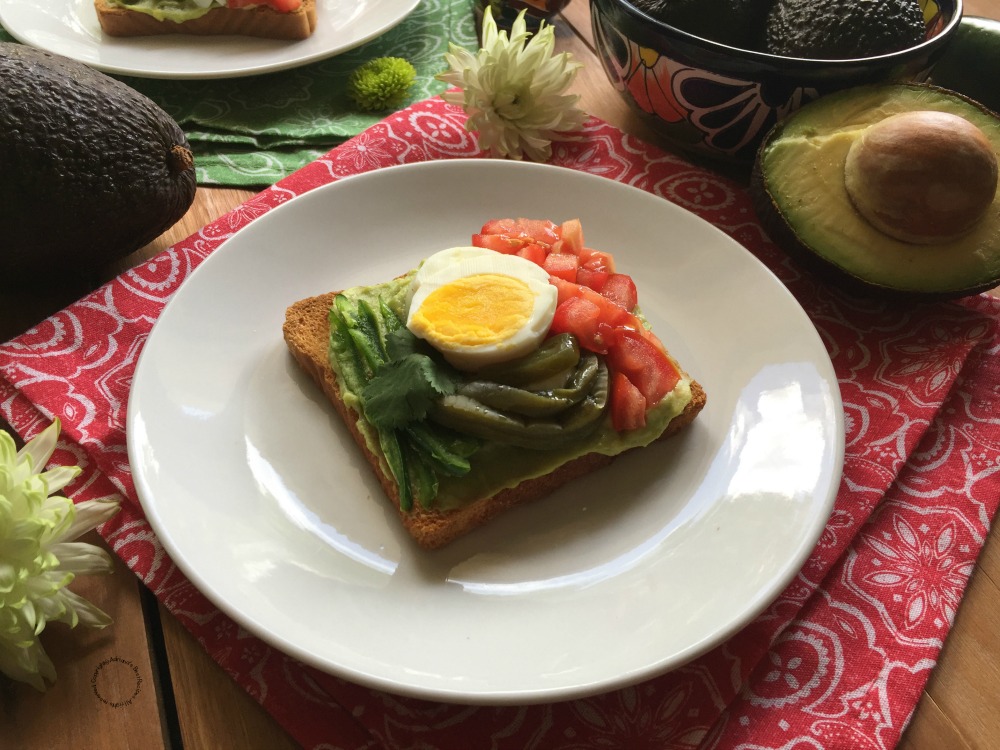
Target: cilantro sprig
{"x":403,"y":390}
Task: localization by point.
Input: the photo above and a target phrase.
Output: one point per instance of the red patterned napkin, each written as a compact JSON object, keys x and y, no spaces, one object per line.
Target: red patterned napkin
{"x":838,"y":661}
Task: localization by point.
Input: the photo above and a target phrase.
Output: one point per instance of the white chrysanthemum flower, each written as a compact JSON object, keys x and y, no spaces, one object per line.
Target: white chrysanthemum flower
{"x":513,"y":89}
{"x":38,"y":557}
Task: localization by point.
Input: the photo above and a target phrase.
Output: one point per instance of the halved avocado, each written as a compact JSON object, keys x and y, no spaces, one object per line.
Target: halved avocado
{"x":800,"y":195}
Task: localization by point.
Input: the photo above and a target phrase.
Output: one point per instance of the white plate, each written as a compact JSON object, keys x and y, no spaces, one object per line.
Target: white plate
{"x":258,"y":493}
{"x":71,"y":28}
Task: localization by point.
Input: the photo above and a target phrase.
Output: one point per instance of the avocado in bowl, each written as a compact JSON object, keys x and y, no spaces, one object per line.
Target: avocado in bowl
{"x":886,"y":189}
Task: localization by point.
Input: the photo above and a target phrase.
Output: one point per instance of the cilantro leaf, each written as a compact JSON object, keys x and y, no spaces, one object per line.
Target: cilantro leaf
{"x":403,"y":390}
{"x":401,"y":343}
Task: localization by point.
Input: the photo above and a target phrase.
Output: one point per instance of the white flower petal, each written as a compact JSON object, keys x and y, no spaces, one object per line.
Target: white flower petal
{"x":39,"y":558}
{"x":29,"y":664}
{"x":82,"y":558}
{"x":8,"y":450}
{"x":513,"y":89}
{"x":57,"y":478}
{"x":37,"y":452}
{"x":90,"y":615}
{"x":90,"y":514}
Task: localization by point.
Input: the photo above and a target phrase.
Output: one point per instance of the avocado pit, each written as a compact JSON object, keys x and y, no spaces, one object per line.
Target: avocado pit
{"x":923,"y":177}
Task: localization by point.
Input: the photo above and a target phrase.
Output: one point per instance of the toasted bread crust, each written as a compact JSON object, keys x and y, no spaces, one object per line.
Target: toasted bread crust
{"x":258,"y":20}
{"x":306,"y":331}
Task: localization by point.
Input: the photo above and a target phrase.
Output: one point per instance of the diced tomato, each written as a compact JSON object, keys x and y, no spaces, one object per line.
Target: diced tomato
{"x":533,"y":252}
{"x":628,"y":405}
{"x":593,"y":321}
{"x":571,"y":232}
{"x":582,"y":318}
{"x":620,"y":289}
{"x":562,"y":265}
{"x":500,"y":243}
{"x":540,"y":230}
{"x":566,"y":289}
{"x":498,"y":226}
{"x":590,"y":278}
{"x":642,"y":362}
{"x":596,"y":260}
{"x":611,"y":314}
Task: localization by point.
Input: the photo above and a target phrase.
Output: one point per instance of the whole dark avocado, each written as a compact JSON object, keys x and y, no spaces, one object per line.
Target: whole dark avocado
{"x":737,"y":23}
{"x":887,"y":190}
{"x":844,"y":29}
{"x":91,"y":169}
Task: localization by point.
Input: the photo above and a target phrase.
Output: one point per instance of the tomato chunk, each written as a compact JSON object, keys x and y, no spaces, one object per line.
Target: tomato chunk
{"x":642,"y":362}
{"x":628,"y":405}
{"x":597,"y":260}
{"x":571,"y":232}
{"x":582,"y":318}
{"x":620,"y":289}
{"x":562,"y":265}
{"x":540,"y":230}
{"x":611,"y":314}
{"x":533,"y":252}
{"x":500,"y":243}
{"x":592,"y":279}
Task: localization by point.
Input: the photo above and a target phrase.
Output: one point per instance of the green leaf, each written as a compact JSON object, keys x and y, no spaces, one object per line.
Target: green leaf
{"x":395,"y":457}
{"x":435,"y":444}
{"x":351,"y":367}
{"x":401,"y":343}
{"x":403,"y":390}
{"x":422,"y":477}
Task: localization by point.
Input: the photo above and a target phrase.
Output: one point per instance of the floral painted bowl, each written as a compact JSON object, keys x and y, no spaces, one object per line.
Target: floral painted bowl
{"x":718,"y":101}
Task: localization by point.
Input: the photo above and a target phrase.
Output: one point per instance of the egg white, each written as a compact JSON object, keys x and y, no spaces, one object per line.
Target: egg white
{"x":449,"y":266}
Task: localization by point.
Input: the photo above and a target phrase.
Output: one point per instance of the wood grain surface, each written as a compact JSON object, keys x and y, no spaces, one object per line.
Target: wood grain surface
{"x":145,"y":683}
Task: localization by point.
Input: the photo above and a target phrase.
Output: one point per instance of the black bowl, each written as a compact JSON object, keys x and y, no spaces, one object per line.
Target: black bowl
{"x":718,"y":101}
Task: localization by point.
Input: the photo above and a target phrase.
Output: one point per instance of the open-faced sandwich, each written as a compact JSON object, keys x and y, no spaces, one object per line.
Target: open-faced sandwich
{"x":492,"y":374}
{"x":272,"y":19}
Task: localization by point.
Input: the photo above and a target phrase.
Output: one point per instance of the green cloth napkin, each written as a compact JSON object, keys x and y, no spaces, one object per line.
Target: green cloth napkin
{"x":252,"y":132}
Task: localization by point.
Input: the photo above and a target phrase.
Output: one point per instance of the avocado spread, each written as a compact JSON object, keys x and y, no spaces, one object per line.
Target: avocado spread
{"x":172,"y":10}
{"x":495,"y":466}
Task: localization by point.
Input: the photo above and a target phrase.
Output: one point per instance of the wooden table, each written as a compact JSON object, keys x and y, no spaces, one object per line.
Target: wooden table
{"x":145,"y":683}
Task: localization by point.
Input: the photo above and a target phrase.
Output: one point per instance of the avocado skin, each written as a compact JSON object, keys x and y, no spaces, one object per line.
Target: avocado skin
{"x":843,"y":30}
{"x":786,"y":227}
{"x":970,"y":63}
{"x":737,"y":23}
{"x":92,"y":170}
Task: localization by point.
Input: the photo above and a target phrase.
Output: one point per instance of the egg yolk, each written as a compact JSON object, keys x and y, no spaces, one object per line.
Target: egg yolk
{"x":474,"y":310}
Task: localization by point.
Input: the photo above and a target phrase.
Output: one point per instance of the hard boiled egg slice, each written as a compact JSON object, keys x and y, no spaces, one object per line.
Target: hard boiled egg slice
{"x":479,"y":307}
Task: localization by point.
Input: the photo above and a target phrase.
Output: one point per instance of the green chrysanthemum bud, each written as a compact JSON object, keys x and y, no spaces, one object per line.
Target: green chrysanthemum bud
{"x":382,"y":83}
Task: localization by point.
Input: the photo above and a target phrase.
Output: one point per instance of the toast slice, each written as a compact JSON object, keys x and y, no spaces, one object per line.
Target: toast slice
{"x":307,"y":331}
{"x":256,"y":20}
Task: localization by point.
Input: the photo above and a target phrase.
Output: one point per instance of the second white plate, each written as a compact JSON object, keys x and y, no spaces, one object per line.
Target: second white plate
{"x":259,"y":494}
{"x":70,"y":28}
